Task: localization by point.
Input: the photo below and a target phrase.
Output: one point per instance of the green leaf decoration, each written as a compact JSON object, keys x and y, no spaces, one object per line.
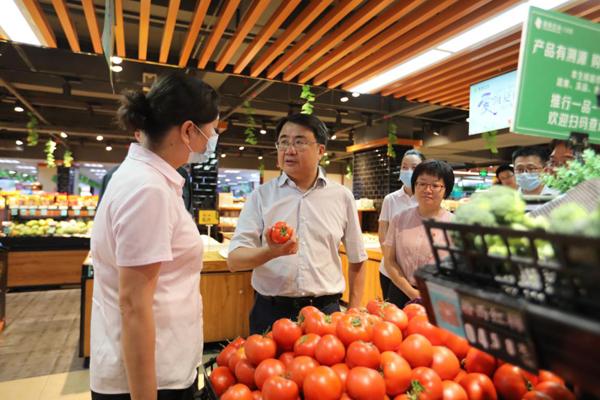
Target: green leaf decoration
{"x":349,"y":170}
{"x":68,"y":159}
{"x":49,"y":150}
{"x":250,"y":131}
{"x":309,"y":96}
{"x":87,"y":181}
{"x":490,"y":141}
{"x":392,"y":139}
{"x":32,"y":134}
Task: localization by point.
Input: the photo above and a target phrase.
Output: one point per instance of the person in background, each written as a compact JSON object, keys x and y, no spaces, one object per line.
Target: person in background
{"x":306,"y":270}
{"x":529,"y":164}
{"x":561,"y":153}
{"x":406,"y":246}
{"x":146,"y":328}
{"x":393,"y":204}
{"x":506,"y":176}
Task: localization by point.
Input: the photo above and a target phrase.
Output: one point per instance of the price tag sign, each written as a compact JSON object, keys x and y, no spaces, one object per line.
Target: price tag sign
{"x":63,"y":213}
{"x":76,"y":211}
{"x":208,"y":217}
{"x":24,"y":212}
{"x":14,"y":211}
{"x":498,"y":329}
{"x":446,"y":307}
{"x":44,"y":212}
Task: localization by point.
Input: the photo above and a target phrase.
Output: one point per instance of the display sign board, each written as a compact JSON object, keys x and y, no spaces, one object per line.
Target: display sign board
{"x":208,"y":217}
{"x":558,"y":76}
{"x":492,"y":103}
{"x":446,"y":307}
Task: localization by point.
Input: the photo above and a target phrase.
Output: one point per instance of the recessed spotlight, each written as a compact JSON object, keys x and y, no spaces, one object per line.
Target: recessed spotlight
{"x":116,"y":68}
{"x":326,"y":154}
{"x":263,"y":131}
{"x":334,"y":137}
{"x":227,"y":180}
{"x":344,"y":99}
{"x":108,"y":148}
{"x":355,"y":94}
{"x":260,"y":157}
{"x":116,"y":60}
{"x":223,"y":155}
{"x":64,"y":135}
{"x":327,"y":162}
{"x":19,"y":109}
{"x":25,"y":175}
{"x":19,"y":142}
{"x":238,"y":177}
{"x":99,"y":138}
{"x":241,"y":148}
{"x":12,"y":172}
{"x":468,"y":119}
{"x":436,"y":133}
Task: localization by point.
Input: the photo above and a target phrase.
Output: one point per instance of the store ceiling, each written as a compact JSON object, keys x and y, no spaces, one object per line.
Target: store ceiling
{"x":256,"y":50}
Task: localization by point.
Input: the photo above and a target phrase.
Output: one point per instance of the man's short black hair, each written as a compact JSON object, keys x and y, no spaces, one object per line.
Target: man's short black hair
{"x":538,"y":151}
{"x":502,"y":168}
{"x":308,"y":121}
{"x":439,"y":169}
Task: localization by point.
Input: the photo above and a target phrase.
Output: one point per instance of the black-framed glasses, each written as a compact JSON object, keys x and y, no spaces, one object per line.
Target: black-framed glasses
{"x":299,"y":144}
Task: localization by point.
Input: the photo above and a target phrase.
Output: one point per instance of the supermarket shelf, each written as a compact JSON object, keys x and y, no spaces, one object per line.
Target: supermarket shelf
{"x":42,"y":243}
{"x":232,"y":208}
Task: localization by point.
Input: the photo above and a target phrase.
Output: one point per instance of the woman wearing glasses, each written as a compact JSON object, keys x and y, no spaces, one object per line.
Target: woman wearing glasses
{"x":146,"y":330}
{"x":406,"y":246}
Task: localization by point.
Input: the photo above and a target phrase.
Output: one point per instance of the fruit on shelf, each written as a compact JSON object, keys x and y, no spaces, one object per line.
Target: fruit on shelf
{"x":48,"y":227}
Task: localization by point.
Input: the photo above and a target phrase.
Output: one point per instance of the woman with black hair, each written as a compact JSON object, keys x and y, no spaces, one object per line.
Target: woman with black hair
{"x":146,"y":329}
{"x":406,"y":246}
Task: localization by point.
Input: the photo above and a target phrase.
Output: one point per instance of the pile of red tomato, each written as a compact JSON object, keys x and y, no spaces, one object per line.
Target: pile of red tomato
{"x":382,"y":352}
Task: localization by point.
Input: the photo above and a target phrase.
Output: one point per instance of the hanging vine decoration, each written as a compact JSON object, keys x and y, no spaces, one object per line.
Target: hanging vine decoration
{"x":68,"y":158}
{"x":32,"y":134}
{"x":309,"y":97}
{"x":87,"y":181}
{"x":490,"y":141}
{"x":392,"y":139}
{"x":261,"y":168}
{"x":325,"y":160}
{"x":250,"y":131}
{"x":49,"y":150}
{"x":349,"y":171}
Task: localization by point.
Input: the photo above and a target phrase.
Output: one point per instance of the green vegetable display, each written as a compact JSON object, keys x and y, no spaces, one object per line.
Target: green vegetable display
{"x":575,"y":172}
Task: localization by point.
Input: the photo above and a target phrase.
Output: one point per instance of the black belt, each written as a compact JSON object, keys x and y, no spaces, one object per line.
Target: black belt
{"x":299,"y":302}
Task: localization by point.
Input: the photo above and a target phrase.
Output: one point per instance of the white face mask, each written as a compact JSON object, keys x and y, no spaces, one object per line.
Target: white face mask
{"x":211,"y":146}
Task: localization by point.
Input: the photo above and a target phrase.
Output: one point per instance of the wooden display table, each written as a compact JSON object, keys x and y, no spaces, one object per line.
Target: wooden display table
{"x":372,"y":284}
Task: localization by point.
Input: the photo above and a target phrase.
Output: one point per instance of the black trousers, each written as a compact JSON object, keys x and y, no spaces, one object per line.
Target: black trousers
{"x":391,"y":293}
{"x":168,"y":394}
{"x":267,"y":310}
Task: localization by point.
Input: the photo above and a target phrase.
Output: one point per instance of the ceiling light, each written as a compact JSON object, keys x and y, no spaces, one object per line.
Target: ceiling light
{"x":227,"y":180}
{"x":326,"y":154}
{"x":116,"y":60}
{"x":25,"y":175}
{"x":15,"y":24}
{"x":64,"y":135}
{"x":12,"y":172}
{"x":19,"y":109}
{"x":334,"y":137}
{"x":19,"y":142}
{"x":260,"y":157}
{"x":327,"y":162}
{"x":263,"y":131}
{"x":468,"y":119}
{"x":238,"y":177}
{"x":99,"y":138}
{"x":116,"y":68}
{"x":108,"y":148}
{"x":93,"y":165}
{"x":436,"y":133}
{"x":344,"y":99}
{"x":223,"y":155}
{"x":355,"y":94}
{"x":241,"y":148}
{"x":9,"y":162}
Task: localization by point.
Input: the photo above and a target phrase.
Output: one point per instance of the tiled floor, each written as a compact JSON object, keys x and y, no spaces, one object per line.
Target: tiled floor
{"x":39,"y":348}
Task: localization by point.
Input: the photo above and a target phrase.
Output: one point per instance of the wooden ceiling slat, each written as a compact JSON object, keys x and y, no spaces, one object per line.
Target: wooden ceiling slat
{"x":435,"y":84}
{"x":360,"y":18}
{"x":193,"y":31}
{"x":457,"y":61}
{"x":41,"y":21}
{"x":306,"y":17}
{"x":410,"y":22}
{"x":329,"y":21}
{"x":443,"y":26}
{"x":358,"y":38}
{"x":168,"y":30}
{"x":120,"y":28}
{"x":254,"y":12}
{"x":584,"y":9}
{"x":460,"y":101}
{"x":92,"y":23}
{"x":60,"y":6}
{"x":278,"y":17}
{"x":217,"y":32}
{"x":144,"y":29}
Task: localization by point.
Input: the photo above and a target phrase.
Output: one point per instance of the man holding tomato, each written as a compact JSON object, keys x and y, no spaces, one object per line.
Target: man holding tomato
{"x":296,"y":263}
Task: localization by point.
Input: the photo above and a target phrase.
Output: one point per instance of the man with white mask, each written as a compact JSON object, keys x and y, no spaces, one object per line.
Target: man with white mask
{"x":529,"y":164}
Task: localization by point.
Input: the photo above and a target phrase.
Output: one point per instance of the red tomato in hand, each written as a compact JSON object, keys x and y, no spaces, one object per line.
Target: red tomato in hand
{"x":330,"y":350}
{"x":412,"y":310}
{"x":453,"y":391}
{"x":306,"y":345}
{"x":421,"y":325}
{"x":237,"y":392}
{"x":342,"y":371}
{"x":221,"y":379}
{"x":300,"y":367}
{"x":479,"y":387}
{"x":387,"y":336}
{"x":285,"y":333}
{"x":458,"y":345}
{"x":396,"y":373}
{"x":322,"y":383}
{"x":351,"y":328}
{"x":431,"y":382}
{"x":511,"y":382}
{"x":365,"y":384}
{"x":281,"y":232}
{"x":396,"y":316}
{"x":547,"y":376}
{"x":417,"y":350}
{"x":479,"y":361}
{"x":555,"y":390}
{"x":244,"y":372}
{"x":280,"y":388}
{"x":259,"y":348}
{"x":266,"y":369}
{"x":445,"y":363}
{"x":363,"y":354}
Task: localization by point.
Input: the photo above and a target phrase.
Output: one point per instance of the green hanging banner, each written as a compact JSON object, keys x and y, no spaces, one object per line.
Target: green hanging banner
{"x":558,"y":77}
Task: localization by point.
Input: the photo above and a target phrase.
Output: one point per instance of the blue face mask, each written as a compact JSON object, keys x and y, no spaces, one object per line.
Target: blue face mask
{"x":529,"y":181}
{"x":406,"y":177}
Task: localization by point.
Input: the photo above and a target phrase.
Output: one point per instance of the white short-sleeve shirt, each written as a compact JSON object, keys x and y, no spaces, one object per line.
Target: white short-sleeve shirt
{"x":142,"y":220}
{"x":322,"y":217}
{"x":393,"y":204}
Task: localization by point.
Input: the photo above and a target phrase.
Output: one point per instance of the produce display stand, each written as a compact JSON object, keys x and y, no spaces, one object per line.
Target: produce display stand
{"x":207,"y":392}
{"x":533,"y":310}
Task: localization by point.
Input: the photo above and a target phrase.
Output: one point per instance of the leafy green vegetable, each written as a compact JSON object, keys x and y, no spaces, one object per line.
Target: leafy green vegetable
{"x":575,"y":172}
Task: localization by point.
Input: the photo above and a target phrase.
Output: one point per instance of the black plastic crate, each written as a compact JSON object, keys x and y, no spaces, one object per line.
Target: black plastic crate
{"x":566,"y":275}
{"x":207,"y":392}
